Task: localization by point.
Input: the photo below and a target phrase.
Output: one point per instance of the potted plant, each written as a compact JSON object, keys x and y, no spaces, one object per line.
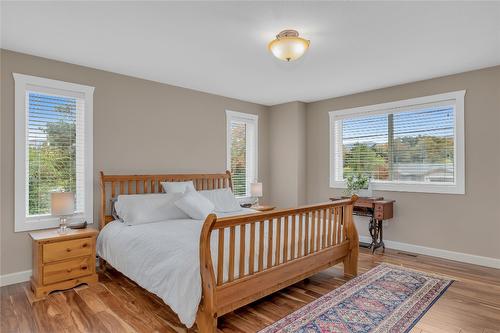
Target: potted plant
{"x":358,"y":184}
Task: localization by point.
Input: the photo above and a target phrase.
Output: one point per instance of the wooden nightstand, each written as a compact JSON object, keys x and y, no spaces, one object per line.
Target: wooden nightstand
{"x":62,"y":261}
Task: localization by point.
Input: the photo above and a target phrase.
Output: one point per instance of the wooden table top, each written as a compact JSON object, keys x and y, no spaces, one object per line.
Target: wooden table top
{"x":365,"y":201}
{"x":263,"y":208}
{"x":53,"y":234}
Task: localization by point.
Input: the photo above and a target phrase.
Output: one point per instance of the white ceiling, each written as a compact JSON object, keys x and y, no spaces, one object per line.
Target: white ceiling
{"x":221,"y":47}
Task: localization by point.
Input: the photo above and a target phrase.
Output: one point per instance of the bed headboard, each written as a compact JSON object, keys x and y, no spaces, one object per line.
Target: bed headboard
{"x":114,"y":185}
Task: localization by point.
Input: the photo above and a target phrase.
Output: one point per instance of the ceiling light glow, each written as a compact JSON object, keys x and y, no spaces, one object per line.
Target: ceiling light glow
{"x":288,"y":46}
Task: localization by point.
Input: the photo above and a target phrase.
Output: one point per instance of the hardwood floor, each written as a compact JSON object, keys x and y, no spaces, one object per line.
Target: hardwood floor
{"x":115,"y":304}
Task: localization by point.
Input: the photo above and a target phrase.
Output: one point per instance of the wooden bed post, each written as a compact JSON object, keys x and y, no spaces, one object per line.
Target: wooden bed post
{"x":351,"y":260}
{"x":206,"y":318}
{"x":102,"y":212}
{"x":230,"y":179}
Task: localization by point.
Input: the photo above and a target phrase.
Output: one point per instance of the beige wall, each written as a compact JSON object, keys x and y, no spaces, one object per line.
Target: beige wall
{"x":139,"y":127}
{"x":467,"y":223}
{"x":142,"y":126}
{"x":287,"y":152}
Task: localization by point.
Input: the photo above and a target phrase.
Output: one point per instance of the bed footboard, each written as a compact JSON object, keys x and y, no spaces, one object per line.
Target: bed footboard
{"x":261,"y":253}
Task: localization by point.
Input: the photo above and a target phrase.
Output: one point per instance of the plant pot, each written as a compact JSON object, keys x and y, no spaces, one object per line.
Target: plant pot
{"x":365,"y":192}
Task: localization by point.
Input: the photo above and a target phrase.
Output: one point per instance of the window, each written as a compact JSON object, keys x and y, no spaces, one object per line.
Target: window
{"x":415,"y":145}
{"x":53,"y":149}
{"x":242,"y":142}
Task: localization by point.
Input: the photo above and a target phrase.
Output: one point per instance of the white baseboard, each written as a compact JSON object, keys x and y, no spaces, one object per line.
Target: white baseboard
{"x":445,"y":254}
{"x":13,"y":278}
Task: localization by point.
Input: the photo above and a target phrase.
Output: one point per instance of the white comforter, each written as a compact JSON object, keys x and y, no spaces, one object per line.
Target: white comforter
{"x":163,"y":258}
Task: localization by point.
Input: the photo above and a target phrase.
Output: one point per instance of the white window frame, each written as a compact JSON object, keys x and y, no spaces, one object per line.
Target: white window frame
{"x":22,"y":84}
{"x":455,"y":98}
{"x":253,"y":147}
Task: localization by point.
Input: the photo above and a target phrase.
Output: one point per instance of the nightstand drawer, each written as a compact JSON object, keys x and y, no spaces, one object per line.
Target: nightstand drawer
{"x":67,"y":249}
{"x":67,"y":270}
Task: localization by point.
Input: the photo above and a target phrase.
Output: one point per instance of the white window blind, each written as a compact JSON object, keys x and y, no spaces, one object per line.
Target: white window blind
{"x":239,"y":157}
{"x":53,"y":146}
{"x":55,"y":149}
{"x":405,"y":146}
{"x":242,"y":150}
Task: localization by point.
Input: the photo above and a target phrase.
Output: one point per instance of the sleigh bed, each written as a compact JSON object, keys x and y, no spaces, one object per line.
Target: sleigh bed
{"x":245,"y":257}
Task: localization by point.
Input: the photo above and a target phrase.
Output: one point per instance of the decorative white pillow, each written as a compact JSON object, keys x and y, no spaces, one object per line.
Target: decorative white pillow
{"x":177,"y":187}
{"x":136,"y":209}
{"x":195,"y":205}
{"x":223,"y":200}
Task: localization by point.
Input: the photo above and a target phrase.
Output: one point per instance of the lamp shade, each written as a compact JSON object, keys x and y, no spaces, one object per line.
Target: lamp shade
{"x":62,"y":203}
{"x":256,"y":190}
{"x":288,"y":45}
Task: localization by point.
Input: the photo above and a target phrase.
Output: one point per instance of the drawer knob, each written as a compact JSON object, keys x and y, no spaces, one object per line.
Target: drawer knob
{"x":68,"y":270}
{"x":84,"y":267}
{"x":84,"y":245}
{"x":68,"y":250}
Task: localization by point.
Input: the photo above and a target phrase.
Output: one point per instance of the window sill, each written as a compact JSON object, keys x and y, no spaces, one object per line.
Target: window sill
{"x":409,"y":187}
{"x":45,"y":222}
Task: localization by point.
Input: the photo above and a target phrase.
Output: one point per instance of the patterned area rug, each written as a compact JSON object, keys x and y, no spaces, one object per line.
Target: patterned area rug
{"x":386,"y":299}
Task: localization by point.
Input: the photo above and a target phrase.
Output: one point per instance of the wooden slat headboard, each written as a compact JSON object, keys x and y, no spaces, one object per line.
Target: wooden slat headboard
{"x":114,"y":185}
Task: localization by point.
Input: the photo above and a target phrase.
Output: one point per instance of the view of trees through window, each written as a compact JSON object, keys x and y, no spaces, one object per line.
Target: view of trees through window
{"x":239,"y":158}
{"x":408,"y":146}
{"x":51,"y":149}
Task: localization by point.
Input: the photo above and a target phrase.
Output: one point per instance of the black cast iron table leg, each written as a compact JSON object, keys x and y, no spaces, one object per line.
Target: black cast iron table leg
{"x":381,"y":236}
{"x":372,"y":229}
{"x":376,"y":232}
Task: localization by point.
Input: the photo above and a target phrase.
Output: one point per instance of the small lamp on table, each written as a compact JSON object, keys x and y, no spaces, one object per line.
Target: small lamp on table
{"x":256,"y":191}
{"x":62,"y":205}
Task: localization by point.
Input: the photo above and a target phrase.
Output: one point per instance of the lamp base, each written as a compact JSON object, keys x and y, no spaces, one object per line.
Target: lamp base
{"x":63,"y":227}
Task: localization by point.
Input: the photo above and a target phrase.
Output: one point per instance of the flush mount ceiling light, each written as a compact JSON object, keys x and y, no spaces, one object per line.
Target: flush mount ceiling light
{"x":288,"y":45}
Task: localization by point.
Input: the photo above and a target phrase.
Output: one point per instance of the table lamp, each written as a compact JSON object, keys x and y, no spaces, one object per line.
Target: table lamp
{"x":62,"y":205}
{"x":256,"y":191}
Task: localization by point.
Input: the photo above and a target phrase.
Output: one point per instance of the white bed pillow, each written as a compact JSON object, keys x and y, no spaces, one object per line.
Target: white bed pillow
{"x":177,"y":187}
{"x":195,"y":205}
{"x":223,"y":200}
{"x":136,"y":209}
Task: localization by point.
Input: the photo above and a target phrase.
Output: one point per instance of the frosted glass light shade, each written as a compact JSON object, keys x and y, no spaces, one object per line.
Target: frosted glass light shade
{"x":62,"y":203}
{"x":288,"y":45}
{"x":256,"y":190}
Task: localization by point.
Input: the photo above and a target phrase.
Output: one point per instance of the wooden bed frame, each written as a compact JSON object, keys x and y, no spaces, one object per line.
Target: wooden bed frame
{"x":285,"y":264}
